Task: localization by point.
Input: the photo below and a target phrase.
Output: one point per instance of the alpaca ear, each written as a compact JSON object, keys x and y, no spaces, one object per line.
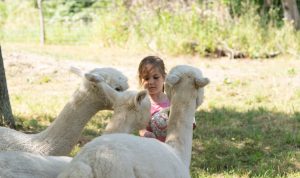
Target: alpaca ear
{"x":139,"y":97}
{"x":93,"y":78}
{"x":172,"y":79}
{"x":99,"y":81}
{"x":201,"y":82}
{"x":76,"y":71}
{"x":111,"y":93}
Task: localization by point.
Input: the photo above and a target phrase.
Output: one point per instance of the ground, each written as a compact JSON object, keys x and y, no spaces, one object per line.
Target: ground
{"x":22,"y":67}
{"x":246,"y":103}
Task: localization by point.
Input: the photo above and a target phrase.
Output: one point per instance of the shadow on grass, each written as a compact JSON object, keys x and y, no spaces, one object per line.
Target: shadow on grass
{"x":257,"y":142}
{"x":31,"y":125}
{"x":37,"y":124}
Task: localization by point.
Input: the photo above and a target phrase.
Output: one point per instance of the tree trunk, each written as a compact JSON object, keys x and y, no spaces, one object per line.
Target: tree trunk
{"x":291,"y":12}
{"x":42,"y":24}
{"x":5,"y":108}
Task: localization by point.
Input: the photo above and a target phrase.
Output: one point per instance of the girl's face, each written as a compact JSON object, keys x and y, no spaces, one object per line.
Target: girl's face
{"x":153,"y":81}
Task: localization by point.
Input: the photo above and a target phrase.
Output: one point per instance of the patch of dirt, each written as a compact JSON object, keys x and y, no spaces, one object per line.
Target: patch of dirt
{"x":48,"y":74}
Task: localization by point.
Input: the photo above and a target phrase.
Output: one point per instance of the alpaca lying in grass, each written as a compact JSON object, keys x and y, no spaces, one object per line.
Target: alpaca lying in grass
{"x":131,"y":112}
{"x":61,"y":136}
{"x":29,"y":165}
{"x":128,"y":156}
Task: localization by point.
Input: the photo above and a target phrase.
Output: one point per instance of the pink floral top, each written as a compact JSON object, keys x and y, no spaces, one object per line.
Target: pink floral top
{"x":158,"y":122}
{"x":156,"y":107}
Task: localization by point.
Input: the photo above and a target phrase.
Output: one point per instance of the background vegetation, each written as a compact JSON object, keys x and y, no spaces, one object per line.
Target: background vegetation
{"x":249,"y":124}
{"x":207,"y":28}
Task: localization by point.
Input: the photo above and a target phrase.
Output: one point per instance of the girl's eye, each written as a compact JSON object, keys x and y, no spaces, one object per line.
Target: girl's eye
{"x":156,"y":78}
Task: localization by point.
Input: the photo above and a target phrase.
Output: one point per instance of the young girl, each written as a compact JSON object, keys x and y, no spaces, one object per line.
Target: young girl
{"x":152,"y":74}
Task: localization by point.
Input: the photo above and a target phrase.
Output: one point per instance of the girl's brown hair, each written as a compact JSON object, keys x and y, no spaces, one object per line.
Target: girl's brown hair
{"x":155,"y":62}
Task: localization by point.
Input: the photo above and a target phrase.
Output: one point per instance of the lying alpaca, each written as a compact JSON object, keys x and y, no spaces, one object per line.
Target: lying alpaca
{"x":131,"y":111}
{"x":29,"y":165}
{"x":128,"y":156}
{"x":60,"y":137}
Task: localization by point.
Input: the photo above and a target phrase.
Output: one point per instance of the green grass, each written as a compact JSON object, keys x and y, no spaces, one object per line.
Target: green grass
{"x":256,"y":143}
{"x":248,"y":125}
{"x":226,"y":143}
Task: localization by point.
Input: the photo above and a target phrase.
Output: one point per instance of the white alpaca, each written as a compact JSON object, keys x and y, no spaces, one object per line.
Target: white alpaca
{"x":131,"y":108}
{"x":60,"y":137}
{"x":128,"y":156}
{"x":29,"y":165}
{"x":131,"y":112}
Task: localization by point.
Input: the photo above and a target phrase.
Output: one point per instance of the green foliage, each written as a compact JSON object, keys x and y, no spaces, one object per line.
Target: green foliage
{"x":237,"y":7}
{"x":69,"y":11}
{"x":31,"y":123}
{"x":113,"y":28}
{"x":297,"y":93}
{"x":198,"y":29}
{"x":3,"y":14}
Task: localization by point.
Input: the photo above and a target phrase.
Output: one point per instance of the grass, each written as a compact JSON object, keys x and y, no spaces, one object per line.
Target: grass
{"x":248,"y":125}
{"x":258,"y":142}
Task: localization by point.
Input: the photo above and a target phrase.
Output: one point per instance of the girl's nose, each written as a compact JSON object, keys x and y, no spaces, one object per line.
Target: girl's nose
{"x":151,"y":80}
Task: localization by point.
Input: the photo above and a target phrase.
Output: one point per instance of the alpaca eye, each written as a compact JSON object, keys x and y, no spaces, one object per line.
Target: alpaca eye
{"x":118,"y":89}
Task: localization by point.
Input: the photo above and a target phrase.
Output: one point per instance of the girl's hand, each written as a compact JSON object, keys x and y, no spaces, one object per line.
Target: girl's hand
{"x":149,"y":134}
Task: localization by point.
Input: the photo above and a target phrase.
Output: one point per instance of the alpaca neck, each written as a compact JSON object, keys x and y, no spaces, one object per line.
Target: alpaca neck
{"x":62,"y":135}
{"x":117,"y":124}
{"x":180,"y":126}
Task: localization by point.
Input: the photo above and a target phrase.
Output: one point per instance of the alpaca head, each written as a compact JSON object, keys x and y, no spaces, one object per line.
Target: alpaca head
{"x":184,"y":72}
{"x":114,"y":78}
{"x":131,"y":108}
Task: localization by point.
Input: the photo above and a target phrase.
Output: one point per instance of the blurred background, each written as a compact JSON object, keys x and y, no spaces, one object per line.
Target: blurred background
{"x":209,"y":28}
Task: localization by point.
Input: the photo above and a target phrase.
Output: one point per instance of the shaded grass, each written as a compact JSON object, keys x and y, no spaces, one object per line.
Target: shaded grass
{"x":226,"y":143}
{"x":255,"y":143}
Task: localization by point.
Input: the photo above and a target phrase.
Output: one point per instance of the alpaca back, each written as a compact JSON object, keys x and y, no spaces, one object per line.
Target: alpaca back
{"x":28,"y":165}
{"x":127,"y":156}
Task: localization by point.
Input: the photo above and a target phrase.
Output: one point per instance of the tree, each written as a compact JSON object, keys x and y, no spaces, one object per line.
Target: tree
{"x":42,"y":24}
{"x":5,"y":108}
{"x":291,"y":12}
